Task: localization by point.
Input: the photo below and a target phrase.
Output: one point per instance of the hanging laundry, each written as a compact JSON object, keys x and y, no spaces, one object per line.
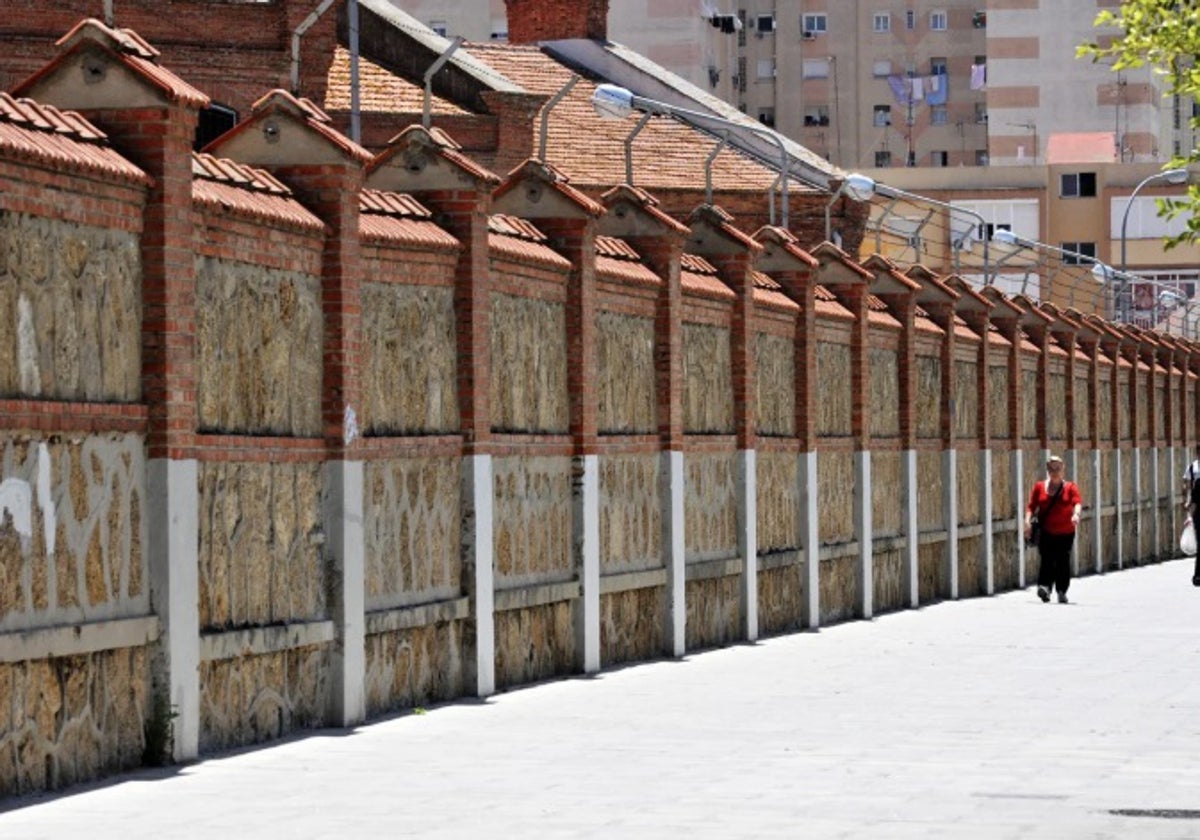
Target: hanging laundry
{"x":978,"y":76}
{"x":918,"y":89}
{"x":901,"y":89}
{"x":939,"y":86}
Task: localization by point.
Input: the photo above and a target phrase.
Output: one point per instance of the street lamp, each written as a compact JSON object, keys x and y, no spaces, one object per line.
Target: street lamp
{"x":1102,"y":272}
{"x":862,"y":187}
{"x":1174,"y":177}
{"x":616,"y":102}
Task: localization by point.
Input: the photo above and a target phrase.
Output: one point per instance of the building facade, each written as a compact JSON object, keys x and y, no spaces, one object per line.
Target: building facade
{"x":895,"y":83}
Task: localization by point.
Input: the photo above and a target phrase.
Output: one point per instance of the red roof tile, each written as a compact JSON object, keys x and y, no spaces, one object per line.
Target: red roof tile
{"x":224,"y":183}
{"x":698,"y":276}
{"x":378,"y":90}
{"x":60,"y":139}
{"x":437,"y":142}
{"x":520,"y":239}
{"x":396,"y":217}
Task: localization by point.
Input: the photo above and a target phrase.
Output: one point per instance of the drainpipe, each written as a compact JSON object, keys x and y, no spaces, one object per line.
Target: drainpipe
{"x":355,"y":104}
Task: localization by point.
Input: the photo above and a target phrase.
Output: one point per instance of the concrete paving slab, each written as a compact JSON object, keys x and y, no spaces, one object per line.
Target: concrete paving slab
{"x":986,"y":718}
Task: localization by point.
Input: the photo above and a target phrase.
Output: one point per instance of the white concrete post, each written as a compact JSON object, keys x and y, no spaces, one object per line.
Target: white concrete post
{"x":674,"y":551}
{"x":985,"y":499}
{"x":912,"y":529}
{"x":1118,"y":502}
{"x":810,"y":538}
{"x":863,"y":528}
{"x":747,"y":525}
{"x":1137,"y":503}
{"x":1071,"y":460}
{"x":1020,"y":499}
{"x":1156,"y":502}
{"x":587,"y":626}
{"x":477,"y":543}
{"x":173,"y":556}
{"x":1097,"y":504}
{"x":342,"y":515}
{"x":950,"y":513}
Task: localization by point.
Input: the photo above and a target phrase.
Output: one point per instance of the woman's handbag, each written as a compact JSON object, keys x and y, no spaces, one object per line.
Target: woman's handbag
{"x":1187,"y":540}
{"x":1035,"y":532}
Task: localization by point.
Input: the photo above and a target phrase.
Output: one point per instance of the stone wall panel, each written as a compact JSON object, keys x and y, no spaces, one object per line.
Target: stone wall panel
{"x":72,"y":528}
{"x":707,"y":380}
{"x":714,"y":613}
{"x":883,"y":370}
{"x":633,"y":625}
{"x":534,"y":644}
{"x":413,"y":667}
{"x":260,"y":544}
{"x":631,"y":523}
{"x":70,"y":295}
{"x":528,"y":387}
{"x":533,"y":516}
{"x":409,"y":360}
{"x":775,"y":385}
{"x":835,"y":499}
{"x":626,"y":401}
{"x":258,"y":349}
{"x":839,"y":588}
{"x":710,"y":505}
{"x":780,"y":596}
{"x":412,"y":527}
{"x":887,"y":493}
{"x":834,"y":381}
{"x":778,"y":500}
{"x":927,"y":410}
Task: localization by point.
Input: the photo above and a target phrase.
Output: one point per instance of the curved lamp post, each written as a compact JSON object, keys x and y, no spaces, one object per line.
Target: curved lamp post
{"x":1102,"y":272}
{"x":616,"y":102}
{"x":1171,"y":176}
{"x":862,"y":187}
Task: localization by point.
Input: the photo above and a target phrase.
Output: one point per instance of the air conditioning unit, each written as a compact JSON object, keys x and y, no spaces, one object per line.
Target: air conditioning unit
{"x":809,"y":35}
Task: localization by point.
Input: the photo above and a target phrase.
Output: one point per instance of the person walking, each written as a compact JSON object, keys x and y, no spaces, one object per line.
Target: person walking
{"x":1057,"y":504}
{"x":1191,"y":485}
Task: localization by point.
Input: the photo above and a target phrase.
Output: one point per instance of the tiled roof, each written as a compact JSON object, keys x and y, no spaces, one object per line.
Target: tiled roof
{"x":666,"y":153}
{"x":396,"y":217}
{"x":220,"y":182}
{"x":827,"y":304}
{"x":439,"y":143}
{"x":60,"y":139}
{"x":131,"y":50}
{"x":520,"y":239}
{"x":378,"y":90}
{"x":1081,"y":147}
{"x":697,"y":276}
{"x":878,"y":314}
{"x":616,"y":258}
{"x":768,"y":291}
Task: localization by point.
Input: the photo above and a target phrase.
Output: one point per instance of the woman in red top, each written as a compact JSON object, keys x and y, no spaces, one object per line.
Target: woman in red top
{"x":1057,"y":503}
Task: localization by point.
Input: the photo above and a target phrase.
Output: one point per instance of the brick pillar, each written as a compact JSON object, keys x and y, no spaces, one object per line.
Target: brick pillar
{"x":662,"y":254}
{"x":854,"y":298}
{"x":735,"y":270}
{"x":464,"y":213}
{"x":943,"y":315}
{"x":903,"y":307}
{"x":332,"y":192}
{"x":575,"y":239}
{"x":159,"y":140}
{"x":517,"y":123}
{"x":804,"y":289}
{"x":531,"y":21}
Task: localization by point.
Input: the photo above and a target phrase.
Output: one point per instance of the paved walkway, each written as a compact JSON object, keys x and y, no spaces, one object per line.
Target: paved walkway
{"x":985,"y":718}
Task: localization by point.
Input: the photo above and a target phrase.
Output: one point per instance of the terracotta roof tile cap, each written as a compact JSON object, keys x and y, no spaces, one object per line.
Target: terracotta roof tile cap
{"x":119,"y":40}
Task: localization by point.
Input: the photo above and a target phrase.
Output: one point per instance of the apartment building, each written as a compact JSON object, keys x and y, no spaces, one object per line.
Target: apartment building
{"x":892,"y":83}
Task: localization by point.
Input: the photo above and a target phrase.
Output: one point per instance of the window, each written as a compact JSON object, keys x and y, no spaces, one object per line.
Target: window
{"x":912,"y":159}
{"x":937,"y":115}
{"x":816,"y":115}
{"x":882,"y":69}
{"x":981,"y":157}
{"x":815,"y":68}
{"x":980,"y":112}
{"x":214,"y":121}
{"x":937,"y":66}
{"x":937,"y":21}
{"x":813,"y":25}
{"x":910,"y":19}
{"x":979,"y":20}
{"x":883,"y":22}
{"x":1079,"y":250}
{"x":765,"y":24}
{"x":883,"y":115}
{"x":499,"y":29}
{"x":766,"y":116}
{"x":883,"y":159}
{"x":992,"y":227}
{"x":940,"y":158}
{"x":439,"y":26}
{"x":1078,"y":185}
{"x":766,"y":68}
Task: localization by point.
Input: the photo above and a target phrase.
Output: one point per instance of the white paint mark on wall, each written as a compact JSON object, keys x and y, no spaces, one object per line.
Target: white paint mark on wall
{"x":16,"y":500}
{"x":45,"y":500}
{"x":27,"y":351}
{"x":349,"y":426}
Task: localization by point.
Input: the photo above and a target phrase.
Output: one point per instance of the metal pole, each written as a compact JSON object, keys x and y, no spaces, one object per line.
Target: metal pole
{"x":426,"y":114}
{"x":355,"y":122}
{"x":547,"y":108}
{"x":629,"y":147}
